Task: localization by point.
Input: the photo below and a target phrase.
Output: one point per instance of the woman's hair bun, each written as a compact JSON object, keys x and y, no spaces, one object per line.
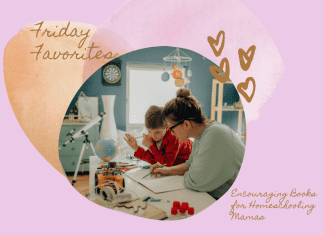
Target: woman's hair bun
{"x":184,"y":93}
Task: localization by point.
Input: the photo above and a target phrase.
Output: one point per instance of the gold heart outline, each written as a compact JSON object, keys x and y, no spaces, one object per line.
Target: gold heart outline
{"x":242,"y":54}
{"x":212,"y":43}
{"x":244,"y":85}
{"x":220,"y":69}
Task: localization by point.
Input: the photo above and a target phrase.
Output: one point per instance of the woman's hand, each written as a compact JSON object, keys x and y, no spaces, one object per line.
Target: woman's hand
{"x":162,"y":171}
{"x":172,"y":170}
{"x":154,"y":166}
{"x":147,"y":141}
{"x":159,"y":171}
{"x":131,"y":141}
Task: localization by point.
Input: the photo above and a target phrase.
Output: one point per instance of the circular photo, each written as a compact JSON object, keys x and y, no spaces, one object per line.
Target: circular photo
{"x":135,"y":141}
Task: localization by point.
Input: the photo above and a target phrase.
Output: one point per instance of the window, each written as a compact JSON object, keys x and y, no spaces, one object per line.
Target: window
{"x":145,"y":88}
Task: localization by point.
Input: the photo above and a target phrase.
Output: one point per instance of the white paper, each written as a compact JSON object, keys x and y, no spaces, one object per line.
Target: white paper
{"x":157,"y":185}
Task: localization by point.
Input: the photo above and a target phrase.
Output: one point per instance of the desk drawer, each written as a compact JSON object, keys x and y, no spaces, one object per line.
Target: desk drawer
{"x":74,"y":149}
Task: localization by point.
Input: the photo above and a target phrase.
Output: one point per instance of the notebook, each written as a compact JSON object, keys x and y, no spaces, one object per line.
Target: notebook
{"x":157,"y":185}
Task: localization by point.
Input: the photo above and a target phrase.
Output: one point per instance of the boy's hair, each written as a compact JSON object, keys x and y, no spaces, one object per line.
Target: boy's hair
{"x":154,"y":118}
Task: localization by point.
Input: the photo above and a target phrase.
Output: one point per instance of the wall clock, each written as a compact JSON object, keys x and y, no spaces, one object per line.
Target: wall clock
{"x":112,"y":74}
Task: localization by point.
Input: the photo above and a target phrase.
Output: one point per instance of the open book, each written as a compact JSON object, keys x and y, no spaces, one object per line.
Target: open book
{"x":157,"y":185}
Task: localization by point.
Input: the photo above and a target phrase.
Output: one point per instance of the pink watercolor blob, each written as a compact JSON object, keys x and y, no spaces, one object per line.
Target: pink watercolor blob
{"x":187,"y":24}
{"x":109,"y":44}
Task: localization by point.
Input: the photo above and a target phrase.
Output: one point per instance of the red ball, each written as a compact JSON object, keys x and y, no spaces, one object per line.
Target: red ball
{"x":176,"y":204}
{"x":191,"y":211}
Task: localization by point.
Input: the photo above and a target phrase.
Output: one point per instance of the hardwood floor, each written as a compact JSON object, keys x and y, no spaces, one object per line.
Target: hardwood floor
{"x":81,"y":184}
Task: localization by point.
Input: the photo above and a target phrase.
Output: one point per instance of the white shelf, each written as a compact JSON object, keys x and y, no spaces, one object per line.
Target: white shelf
{"x":219,"y":107}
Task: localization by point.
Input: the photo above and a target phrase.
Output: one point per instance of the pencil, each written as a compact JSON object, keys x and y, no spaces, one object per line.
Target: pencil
{"x":153,"y":171}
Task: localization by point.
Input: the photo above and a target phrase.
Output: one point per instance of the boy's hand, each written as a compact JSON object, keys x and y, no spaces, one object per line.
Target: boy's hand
{"x":147,"y":141}
{"x":131,"y":141}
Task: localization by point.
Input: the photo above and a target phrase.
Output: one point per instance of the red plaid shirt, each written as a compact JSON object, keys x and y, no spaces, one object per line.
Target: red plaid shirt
{"x":172,"y":152}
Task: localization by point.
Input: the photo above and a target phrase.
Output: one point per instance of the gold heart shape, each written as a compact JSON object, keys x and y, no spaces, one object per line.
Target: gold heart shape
{"x":214,"y":68}
{"x":213,"y":43}
{"x":245,"y":55}
{"x":244,"y":85}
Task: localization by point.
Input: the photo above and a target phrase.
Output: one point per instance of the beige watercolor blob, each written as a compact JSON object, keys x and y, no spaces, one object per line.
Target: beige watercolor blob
{"x":41,"y":90}
{"x":106,"y":40}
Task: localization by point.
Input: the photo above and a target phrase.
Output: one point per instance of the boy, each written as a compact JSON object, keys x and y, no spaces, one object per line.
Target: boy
{"x":163,"y":146}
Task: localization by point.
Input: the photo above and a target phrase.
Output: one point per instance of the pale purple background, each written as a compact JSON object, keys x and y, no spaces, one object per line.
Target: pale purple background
{"x":283,"y":150}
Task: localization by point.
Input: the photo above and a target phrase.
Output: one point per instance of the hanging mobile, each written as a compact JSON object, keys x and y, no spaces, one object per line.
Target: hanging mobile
{"x":179,"y":82}
{"x":178,"y":59}
{"x":177,"y":74}
{"x":186,"y":81}
{"x":189,"y":72}
{"x":165,"y":76}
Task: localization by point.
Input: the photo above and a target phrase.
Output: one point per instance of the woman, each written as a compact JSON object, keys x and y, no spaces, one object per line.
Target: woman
{"x":216,"y":155}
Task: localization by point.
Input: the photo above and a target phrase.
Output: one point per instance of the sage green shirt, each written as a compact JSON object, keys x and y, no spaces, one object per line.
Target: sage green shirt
{"x":215,"y":160}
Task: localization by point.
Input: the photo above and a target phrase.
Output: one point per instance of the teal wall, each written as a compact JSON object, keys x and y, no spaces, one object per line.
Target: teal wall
{"x":200,"y":85}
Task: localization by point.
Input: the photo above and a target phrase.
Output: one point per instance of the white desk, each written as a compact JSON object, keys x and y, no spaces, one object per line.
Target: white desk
{"x":199,"y":201}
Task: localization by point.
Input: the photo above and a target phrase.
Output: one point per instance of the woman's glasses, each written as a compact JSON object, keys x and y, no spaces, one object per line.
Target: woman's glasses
{"x":179,"y":123}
